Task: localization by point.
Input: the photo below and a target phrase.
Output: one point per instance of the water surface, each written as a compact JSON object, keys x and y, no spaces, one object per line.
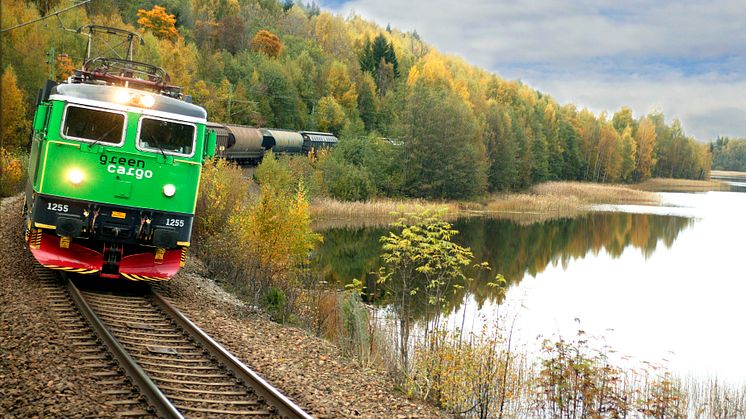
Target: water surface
{"x":663,"y":284}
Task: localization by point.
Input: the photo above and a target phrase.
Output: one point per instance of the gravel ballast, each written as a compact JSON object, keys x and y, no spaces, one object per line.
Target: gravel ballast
{"x":39,"y":370}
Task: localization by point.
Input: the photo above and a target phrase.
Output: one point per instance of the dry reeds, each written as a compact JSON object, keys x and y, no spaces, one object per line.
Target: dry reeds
{"x":543,"y":201}
{"x":680,"y":185}
{"x":594,"y":193}
{"x":378,"y":209}
{"x":728,"y":174}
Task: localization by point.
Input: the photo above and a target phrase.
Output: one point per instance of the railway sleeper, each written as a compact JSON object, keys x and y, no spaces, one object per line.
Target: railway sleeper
{"x":215,"y":401}
{"x":226,"y":412}
{"x":205,"y":392}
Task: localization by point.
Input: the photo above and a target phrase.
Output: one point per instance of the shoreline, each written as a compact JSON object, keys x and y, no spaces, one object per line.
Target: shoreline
{"x":541,"y":202}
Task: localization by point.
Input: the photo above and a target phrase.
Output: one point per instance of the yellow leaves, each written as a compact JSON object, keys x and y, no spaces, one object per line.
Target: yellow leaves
{"x":11,"y":172}
{"x":331,"y":32}
{"x":432,"y":70}
{"x":14,"y":124}
{"x":330,"y":115}
{"x":158,"y":21}
{"x":340,"y":87}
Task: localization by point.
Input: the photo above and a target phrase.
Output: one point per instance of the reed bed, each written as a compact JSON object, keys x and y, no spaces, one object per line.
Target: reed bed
{"x":380,"y":208}
{"x":544,"y":201}
{"x":728,"y":174}
{"x":680,"y":185}
{"x":593,"y":193}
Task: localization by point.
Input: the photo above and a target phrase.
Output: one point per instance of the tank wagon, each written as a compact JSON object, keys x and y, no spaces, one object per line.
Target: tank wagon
{"x":114,"y":169}
{"x":247,"y":145}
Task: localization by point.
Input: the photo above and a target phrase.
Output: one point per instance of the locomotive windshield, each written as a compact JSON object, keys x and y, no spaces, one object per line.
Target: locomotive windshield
{"x":166,"y":136}
{"x":93,"y":125}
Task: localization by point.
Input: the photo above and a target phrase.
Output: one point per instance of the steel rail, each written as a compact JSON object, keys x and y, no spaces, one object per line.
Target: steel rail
{"x":271,"y":395}
{"x":163,"y":407}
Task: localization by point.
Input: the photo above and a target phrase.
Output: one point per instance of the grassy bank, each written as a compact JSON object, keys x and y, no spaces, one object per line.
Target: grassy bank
{"x":543,"y":201}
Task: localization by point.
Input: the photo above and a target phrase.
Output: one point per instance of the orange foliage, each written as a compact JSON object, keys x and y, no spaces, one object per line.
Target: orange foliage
{"x":157,"y":20}
{"x":266,"y":42}
{"x":64,"y":67}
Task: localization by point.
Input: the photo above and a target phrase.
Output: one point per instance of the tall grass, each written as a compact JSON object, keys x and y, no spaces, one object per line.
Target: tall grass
{"x":486,"y":375}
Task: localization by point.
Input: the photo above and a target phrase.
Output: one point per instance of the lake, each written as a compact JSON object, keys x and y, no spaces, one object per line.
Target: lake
{"x":663,"y":284}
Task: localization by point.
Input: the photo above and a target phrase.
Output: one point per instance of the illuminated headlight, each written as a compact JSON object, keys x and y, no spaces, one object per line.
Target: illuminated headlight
{"x":147,"y":101}
{"x":121,"y":96}
{"x":75,"y":176}
{"x":169,"y":190}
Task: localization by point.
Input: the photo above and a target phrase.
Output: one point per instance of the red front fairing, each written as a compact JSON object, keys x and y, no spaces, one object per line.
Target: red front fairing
{"x":144,"y":267}
{"x":80,"y":259}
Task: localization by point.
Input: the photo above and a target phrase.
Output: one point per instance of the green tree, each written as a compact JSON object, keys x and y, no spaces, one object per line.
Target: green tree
{"x":420,"y":261}
{"x":379,"y":59}
{"x":441,"y":152}
{"x":502,"y":172}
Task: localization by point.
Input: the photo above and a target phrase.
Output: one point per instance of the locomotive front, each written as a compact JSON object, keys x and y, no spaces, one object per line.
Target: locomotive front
{"x":113,"y":179}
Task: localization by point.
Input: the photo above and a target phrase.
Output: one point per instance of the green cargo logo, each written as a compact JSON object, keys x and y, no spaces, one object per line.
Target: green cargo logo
{"x":126,"y":167}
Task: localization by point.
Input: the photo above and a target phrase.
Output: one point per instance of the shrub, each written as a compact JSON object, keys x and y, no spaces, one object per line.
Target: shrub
{"x":257,"y":245}
{"x":347,"y":182}
{"x":12,"y":172}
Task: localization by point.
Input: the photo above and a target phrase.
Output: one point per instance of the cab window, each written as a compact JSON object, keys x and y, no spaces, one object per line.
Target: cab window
{"x":93,"y":125}
{"x":166,"y":136}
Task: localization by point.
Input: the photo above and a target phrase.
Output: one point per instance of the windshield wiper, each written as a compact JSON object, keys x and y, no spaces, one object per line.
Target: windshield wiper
{"x":90,"y":145}
{"x":156,"y":143}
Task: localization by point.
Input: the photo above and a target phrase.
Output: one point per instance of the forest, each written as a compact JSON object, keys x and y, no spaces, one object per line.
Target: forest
{"x":729,"y":154}
{"x":412,"y":121}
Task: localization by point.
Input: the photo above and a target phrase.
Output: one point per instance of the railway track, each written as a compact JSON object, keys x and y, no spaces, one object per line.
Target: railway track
{"x":178,"y":368}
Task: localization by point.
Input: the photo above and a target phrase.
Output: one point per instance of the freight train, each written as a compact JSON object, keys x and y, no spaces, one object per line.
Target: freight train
{"x":114,"y":169}
{"x":247,"y":145}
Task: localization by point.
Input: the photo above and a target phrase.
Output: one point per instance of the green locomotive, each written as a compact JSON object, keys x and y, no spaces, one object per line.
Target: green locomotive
{"x":114,"y":170}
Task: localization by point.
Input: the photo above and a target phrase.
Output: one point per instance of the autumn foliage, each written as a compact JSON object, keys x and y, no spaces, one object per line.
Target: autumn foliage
{"x":158,"y":21}
{"x":267,"y":43}
{"x":14,"y":124}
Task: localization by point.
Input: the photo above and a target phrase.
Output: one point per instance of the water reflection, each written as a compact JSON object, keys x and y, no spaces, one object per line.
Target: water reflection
{"x":512,"y":249}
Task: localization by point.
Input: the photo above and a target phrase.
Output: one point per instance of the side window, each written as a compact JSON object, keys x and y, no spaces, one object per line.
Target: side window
{"x":93,"y":125}
{"x":166,"y":136}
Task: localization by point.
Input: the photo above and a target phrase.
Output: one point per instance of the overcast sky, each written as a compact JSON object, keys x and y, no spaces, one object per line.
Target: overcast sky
{"x":686,"y":58}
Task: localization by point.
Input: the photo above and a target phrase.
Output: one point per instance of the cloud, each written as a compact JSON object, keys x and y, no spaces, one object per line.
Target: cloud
{"x":687,"y":57}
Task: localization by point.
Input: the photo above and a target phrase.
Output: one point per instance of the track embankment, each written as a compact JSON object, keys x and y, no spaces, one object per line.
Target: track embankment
{"x":43,"y":373}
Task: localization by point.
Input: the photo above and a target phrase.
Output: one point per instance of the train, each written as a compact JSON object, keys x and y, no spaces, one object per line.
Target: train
{"x":115,"y":163}
{"x":247,"y":145}
{"x":114,"y":169}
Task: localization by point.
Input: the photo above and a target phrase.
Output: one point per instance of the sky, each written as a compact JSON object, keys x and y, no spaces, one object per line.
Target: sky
{"x":684,"y":58}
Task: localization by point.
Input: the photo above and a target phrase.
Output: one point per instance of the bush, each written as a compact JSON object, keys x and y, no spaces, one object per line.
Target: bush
{"x":12,"y":172}
{"x":223,"y":191}
{"x":257,"y":245}
{"x":347,"y":182}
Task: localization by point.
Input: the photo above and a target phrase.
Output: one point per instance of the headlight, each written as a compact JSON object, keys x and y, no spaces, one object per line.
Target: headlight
{"x":147,"y":101}
{"x":122,"y":96}
{"x":75,"y":176}
{"x":169,"y":190}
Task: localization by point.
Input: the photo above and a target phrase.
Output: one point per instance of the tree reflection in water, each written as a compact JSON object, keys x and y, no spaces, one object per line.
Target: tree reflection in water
{"x":511,"y":249}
